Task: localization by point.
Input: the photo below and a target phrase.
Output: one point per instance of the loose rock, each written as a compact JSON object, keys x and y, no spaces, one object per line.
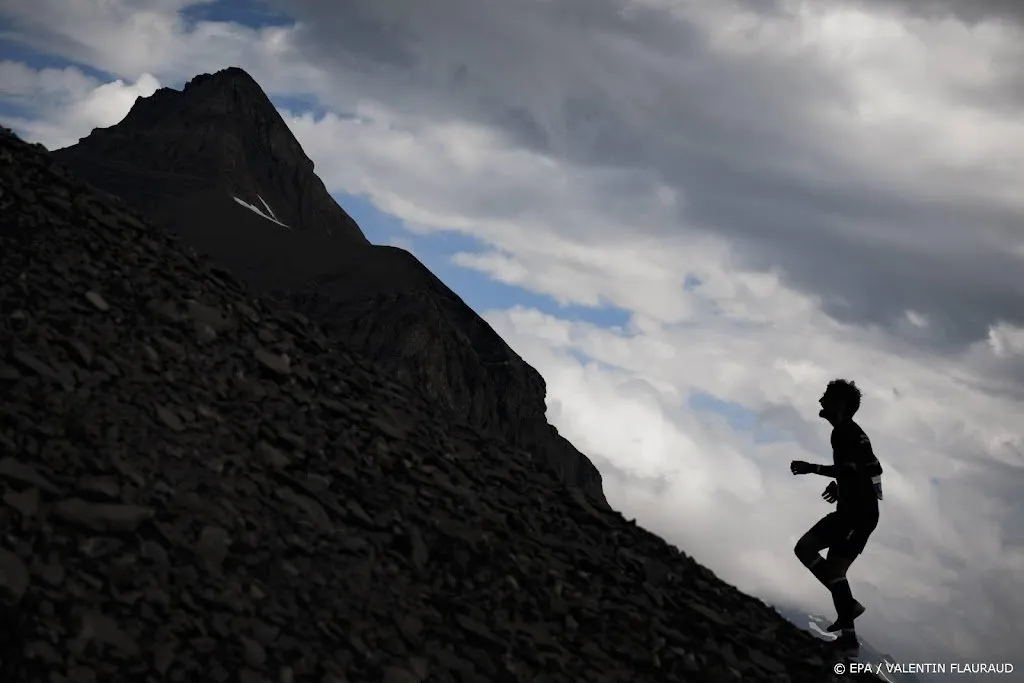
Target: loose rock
{"x":13,"y":575}
{"x":102,"y":516}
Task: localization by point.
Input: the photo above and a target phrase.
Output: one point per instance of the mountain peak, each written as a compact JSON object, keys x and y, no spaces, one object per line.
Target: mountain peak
{"x":227,"y":75}
{"x":230,"y":97}
{"x":220,"y":137}
{"x":233,"y":84}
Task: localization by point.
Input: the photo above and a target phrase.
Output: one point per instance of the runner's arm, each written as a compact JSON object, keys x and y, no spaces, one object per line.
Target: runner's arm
{"x":872,"y":468}
{"x":833,"y":470}
{"x":802,"y":467}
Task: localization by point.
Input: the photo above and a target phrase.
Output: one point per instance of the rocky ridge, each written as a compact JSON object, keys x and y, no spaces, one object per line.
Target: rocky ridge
{"x":200,"y":484}
{"x":181,"y":158}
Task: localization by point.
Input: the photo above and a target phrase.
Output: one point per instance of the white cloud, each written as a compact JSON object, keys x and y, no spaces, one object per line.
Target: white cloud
{"x":18,"y":81}
{"x":916,"y":319}
{"x":1006,"y":340}
{"x":66,"y":103}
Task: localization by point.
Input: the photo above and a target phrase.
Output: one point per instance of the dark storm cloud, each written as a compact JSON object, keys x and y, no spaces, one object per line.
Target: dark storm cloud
{"x":599,"y":82}
{"x":966,"y":10}
{"x":367,"y":36}
{"x":971,"y":11}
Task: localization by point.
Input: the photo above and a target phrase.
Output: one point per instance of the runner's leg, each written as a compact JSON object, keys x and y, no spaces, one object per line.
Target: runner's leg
{"x":840,"y":556}
{"x":847,"y":609}
{"x":808,"y":549}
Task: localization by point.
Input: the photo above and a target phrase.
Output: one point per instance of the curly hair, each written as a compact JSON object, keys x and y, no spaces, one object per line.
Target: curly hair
{"x":847,"y":391}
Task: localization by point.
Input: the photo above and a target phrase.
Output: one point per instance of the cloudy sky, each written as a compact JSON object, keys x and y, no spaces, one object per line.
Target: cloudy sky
{"x":688,"y":215}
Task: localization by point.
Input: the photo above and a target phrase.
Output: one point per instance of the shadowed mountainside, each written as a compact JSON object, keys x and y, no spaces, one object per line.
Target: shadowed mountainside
{"x":216,"y":164}
{"x":202,"y":485}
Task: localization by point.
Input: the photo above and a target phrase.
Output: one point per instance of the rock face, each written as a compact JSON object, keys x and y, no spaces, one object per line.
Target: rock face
{"x":397,"y":312}
{"x":202,"y":485}
{"x":188,"y":160}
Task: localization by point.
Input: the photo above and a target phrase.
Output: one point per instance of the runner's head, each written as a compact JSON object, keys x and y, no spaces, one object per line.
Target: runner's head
{"x":840,"y":400}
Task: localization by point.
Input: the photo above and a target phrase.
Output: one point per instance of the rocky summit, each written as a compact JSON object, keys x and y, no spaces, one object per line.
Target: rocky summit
{"x":200,"y":484}
{"x":216,"y":164}
{"x":217,"y":135}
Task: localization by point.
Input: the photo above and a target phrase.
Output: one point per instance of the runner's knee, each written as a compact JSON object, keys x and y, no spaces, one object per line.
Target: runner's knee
{"x":806,"y":549}
{"x":840,"y":565}
{"x":836,"y":579}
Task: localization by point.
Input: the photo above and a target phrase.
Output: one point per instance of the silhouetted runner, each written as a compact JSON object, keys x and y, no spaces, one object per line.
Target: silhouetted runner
{"x":857,"y":488}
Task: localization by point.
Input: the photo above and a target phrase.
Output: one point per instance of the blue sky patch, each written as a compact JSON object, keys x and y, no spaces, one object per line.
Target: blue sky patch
{"x":16,"y":52}
{"x":738,"y":417}
{"x":480,"y":292}
{"x":300,"y":105}
{"x":379,"y":227}
{"x":245,"y":12}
